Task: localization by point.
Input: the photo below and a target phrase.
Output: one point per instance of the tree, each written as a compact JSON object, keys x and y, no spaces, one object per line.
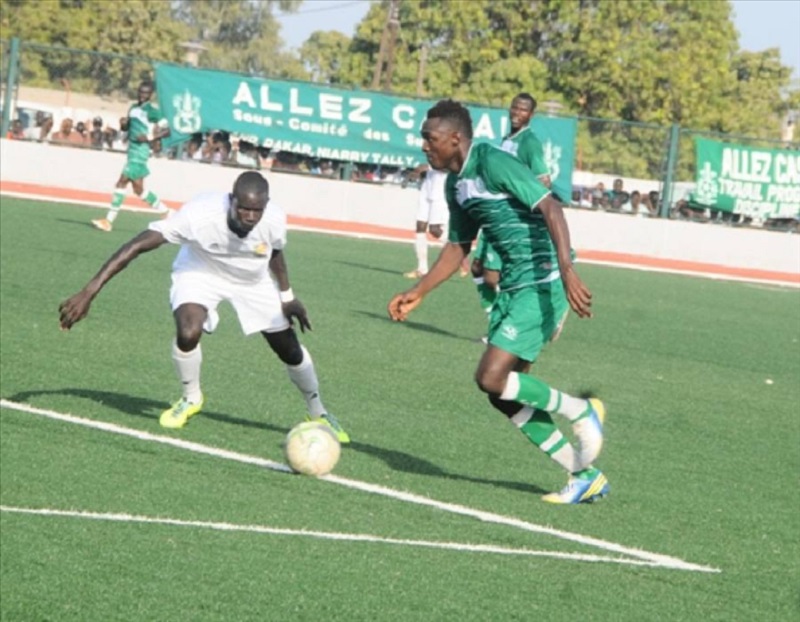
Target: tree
{"x":137,"y":28}
{"x":322,"y":54}
{"x":240,"y":35}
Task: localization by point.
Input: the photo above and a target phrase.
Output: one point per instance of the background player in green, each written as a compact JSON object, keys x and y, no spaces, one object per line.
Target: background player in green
{"x":141,"y":116}
{"x":523,"y":143}
{"x":490,"y":189}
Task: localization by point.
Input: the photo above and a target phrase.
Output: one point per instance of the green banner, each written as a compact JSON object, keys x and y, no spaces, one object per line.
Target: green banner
{"x":760,"y":183}
{"x":333,"y":124}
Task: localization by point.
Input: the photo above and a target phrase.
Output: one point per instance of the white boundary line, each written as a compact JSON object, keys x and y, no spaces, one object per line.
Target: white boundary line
{"x":384,"y":238}
{"x":654,"y":559}
{"x":323,"y":535}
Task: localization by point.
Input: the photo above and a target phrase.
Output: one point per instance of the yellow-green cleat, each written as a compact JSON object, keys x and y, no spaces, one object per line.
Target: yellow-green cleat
{"x":333,"y":423}
{"x":178,"y":414}
{"x":588,"y":487}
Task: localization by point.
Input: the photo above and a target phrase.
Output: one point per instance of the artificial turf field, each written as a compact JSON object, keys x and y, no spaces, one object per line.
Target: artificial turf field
{"x":433,"y":512}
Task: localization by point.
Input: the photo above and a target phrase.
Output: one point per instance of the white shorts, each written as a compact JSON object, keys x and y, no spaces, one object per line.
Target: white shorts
{"x":432,"y":203}
{"x":257,"y":305}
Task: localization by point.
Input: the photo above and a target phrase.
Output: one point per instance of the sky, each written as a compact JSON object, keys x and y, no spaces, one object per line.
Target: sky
{"x":761,"y":24}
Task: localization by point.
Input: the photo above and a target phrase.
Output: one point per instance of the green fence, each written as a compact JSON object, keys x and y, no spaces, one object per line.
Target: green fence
{"x":51,"y":78}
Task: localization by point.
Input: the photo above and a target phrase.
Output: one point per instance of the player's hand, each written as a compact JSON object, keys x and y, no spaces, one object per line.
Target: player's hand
{"x":295,"y":309}
{"x":402,"y":304}
{"x":74,"y":309}
{"x":578,"y":295}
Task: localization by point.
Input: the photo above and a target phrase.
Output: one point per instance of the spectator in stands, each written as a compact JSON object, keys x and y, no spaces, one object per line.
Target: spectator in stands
{"x":66,"y":134}
{"x":245,"y":154}
{"x":327,"y":170}
{"x":193,"y":149}
{"x":266,"y":158}
{"x":652,"y":202}
{"x":112,"y":140}
{"x":96,"y":134}
{"x":42,"y":127}
{"x":616,"y":193}
{"x":80,"y":129}
{"x":599,"y":196}
{"x":16,"y":132}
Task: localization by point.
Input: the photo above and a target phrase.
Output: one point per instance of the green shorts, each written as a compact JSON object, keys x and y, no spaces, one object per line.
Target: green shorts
{"x":134,"y":170}
{"x":523,"y":320}
{"x":486,"y":254}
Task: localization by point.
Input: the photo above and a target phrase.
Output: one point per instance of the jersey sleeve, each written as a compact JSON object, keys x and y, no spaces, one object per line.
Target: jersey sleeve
{"x":177,"y":227}
{"x":503,"y":172}
{"x":154,"y":114}
{"x":531,"y":153}
{"x":276,"y":218}
{"x":461,"y":228}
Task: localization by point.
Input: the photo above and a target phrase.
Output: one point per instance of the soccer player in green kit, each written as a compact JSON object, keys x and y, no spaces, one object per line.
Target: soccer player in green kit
{"x":490,"y":189}
{"x":140,"y":116}
{"x":524,"y":144}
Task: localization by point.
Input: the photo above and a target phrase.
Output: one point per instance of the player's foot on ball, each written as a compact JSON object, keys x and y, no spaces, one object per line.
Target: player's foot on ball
{"x":178,"y":414}
{"x":585,"y":487}
{"x":589,"y":432}
{"x":103,"y":224}
{"x":333,"y":423}
{"x":413,"y":274}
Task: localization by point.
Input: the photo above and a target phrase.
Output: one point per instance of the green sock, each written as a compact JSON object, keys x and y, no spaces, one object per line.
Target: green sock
{"x":542,"y":431}
{"x":533,"y":392}
{"x":117,"y":198}
{"x":151,"y":199}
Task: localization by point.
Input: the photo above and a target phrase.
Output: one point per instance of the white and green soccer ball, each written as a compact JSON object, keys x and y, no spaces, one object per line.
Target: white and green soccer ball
{"x":311,"y":448}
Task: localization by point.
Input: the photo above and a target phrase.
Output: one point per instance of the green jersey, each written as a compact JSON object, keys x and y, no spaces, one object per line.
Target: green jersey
{"x":496,"y":192}
{"x":528,"y":149}
{"x":140,"y":117}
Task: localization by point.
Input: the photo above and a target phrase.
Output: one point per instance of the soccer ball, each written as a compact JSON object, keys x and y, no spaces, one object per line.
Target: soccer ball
{"x":311,"y":448}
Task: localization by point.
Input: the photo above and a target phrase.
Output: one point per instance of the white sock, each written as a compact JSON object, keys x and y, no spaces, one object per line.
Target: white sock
{"x":304,"y":377}
{"x":421,"y":249}
{"x":566,"y":405}
{"x":187,"y":364}
{"x":119,"y":199}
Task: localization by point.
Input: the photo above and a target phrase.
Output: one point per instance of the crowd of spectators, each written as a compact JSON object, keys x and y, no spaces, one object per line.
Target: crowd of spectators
{"x":220,"y":148}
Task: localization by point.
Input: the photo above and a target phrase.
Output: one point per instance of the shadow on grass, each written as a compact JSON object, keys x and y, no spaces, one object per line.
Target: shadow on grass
{"x":426,"y":328}
{"x":363,"y":266}
{"x":150,"y":409}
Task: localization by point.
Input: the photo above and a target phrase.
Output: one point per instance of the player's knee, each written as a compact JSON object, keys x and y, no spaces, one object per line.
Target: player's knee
{"x":489,"y":382}
{"x":187,"y":340}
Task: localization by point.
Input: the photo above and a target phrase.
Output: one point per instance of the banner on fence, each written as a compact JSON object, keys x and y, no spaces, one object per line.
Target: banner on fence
{"x":755,"y":182}
{"x":333,"y":124}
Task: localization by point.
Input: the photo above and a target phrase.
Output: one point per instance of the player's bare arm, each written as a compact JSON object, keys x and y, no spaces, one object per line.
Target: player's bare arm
{"x":447,"y":263}
{"x":578,"y":295}
{"x":291,"y":306}
{"x":76,"y":308}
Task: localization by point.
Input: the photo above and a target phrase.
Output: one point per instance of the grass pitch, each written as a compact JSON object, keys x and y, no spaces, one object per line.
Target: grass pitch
{"x":702,"y":381}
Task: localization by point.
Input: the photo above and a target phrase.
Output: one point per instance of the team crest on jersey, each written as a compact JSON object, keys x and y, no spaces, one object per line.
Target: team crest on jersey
{"x":261,"y":249}
{"x":187,"y":119}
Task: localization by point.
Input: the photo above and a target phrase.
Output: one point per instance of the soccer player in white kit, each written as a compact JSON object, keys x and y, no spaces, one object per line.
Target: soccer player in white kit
{"x":231,"y":249}
{"x":432,"y":215}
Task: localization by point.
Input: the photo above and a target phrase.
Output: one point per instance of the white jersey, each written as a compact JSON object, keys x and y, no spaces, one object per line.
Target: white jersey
{"x":209,"y":246}
{"x":432,"y":202}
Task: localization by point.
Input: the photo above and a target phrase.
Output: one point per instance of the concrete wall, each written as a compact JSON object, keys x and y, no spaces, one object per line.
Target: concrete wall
{"x":394,"y":207}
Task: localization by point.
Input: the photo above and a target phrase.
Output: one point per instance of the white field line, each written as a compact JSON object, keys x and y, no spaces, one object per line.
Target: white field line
{"x":383,"y":238}
{"x":322,"y":535}
{"x":655,"y":559}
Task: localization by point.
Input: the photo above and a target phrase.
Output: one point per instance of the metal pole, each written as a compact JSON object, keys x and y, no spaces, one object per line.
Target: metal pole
{"x":672,"y":159}
{"x":11,"y":82}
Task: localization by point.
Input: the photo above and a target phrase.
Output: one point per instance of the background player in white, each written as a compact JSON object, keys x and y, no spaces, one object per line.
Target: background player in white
{"x":432,"y":216}
{"x":231,"y":249}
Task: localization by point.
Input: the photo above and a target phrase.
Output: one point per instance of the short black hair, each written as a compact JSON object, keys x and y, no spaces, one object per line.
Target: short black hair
{"x":528,"y":98}
{"x":251,"y":182}
{"x":148,"y":84}
{"x":455,"y":112}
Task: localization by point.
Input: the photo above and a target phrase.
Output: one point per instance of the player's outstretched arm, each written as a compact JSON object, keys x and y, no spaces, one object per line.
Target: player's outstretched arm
{"x":292,"y":308}
{"x":578,"y":295}
{"x":76,"y":308}
{"x":447,"y":263}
